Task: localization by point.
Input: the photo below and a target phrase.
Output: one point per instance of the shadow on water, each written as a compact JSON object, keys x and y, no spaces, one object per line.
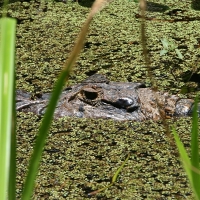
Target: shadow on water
{"x":86,"y":3}
{"x":156,"y":7}
{"x":195,"y":4}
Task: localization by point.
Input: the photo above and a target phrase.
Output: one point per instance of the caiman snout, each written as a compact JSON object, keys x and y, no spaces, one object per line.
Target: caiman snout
{"x":97,"y":97}
{"x":192,"y":110}
{"x":127,"y":103}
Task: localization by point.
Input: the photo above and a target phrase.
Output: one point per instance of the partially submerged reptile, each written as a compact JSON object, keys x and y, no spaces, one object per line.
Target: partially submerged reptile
{"x":97,"y":97}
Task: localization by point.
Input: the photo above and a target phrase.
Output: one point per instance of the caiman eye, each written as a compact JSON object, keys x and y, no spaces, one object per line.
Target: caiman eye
{"x":90,"y":95}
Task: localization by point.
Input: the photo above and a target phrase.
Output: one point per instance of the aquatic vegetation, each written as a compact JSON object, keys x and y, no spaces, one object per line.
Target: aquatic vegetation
{"x":96,"y":134}
{"x":169,"y":47}
{"x":44,"y":129}
{"x":191,"y":166}
{"x":7,"y":109}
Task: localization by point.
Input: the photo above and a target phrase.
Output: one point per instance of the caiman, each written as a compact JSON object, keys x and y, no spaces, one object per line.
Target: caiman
{"x":97,"y":97}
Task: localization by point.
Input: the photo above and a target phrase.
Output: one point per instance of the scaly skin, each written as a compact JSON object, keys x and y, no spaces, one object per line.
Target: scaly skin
{"x":96,"y":97}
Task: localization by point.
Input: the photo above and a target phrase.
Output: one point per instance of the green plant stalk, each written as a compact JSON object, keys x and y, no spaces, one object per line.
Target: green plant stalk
{"x":183,"y":154}
{"x":195,"y":150}
{"x":114,"y":178}
{"x":48,"y":116}
{"x":191,"y":167}
{"x":12,"y":176}
{"x":7,"y":124}
{"x":46,"y":122}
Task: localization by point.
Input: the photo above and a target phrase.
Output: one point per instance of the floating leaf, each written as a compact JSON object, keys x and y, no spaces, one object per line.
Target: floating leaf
{"x":163,"y":52}
{"x":179,"y":54}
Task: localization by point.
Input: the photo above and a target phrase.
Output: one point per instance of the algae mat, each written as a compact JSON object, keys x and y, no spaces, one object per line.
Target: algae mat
{"x":83,"y":154}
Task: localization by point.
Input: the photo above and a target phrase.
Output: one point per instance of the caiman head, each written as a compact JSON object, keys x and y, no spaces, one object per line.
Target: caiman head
{"x":97,"y":97}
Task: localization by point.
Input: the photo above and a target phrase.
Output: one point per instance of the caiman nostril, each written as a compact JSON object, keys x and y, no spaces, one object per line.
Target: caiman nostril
{"x":192,"y":110}
{"x":184,"y":107}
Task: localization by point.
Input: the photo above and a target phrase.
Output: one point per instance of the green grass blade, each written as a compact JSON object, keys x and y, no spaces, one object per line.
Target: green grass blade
{"x":12,"y":176}
{"x":43,"y":131}
{"x":40,"y":141}
{"x":114,"y":178}
{"x":191,"y":167}
{"x":183,"y":154}
{"x":7,"y":51}
{"x":195,"y":150}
